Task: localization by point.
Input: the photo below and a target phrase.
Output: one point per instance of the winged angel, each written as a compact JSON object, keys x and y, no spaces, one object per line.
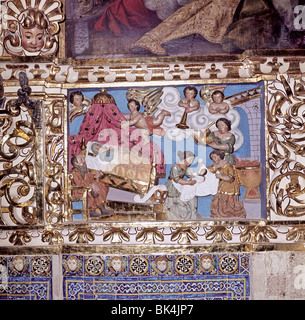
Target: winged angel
{"x":150,"y":99}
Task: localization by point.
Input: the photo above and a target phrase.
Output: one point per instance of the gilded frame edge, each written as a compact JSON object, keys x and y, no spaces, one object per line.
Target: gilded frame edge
{"x":253,"y":64}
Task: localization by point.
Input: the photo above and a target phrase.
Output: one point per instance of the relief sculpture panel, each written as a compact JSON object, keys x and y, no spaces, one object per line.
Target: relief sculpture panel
{"x":197,"y":151}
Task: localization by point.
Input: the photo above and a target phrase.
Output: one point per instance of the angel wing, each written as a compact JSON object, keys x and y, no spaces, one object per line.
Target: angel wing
{"x":149,"y":98}
{"x":206,"y":91}
{"x":78,"y":111}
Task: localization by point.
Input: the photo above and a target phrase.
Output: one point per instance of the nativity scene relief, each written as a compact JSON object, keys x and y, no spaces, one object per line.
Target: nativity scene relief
{"x":167,"y":153}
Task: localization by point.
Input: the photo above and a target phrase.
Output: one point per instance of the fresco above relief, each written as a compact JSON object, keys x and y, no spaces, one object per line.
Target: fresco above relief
{"x":147,"y":28}
{"x":172,"y":152}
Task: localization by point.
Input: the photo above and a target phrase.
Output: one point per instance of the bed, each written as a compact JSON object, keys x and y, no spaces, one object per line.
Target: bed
{"x":126,"y":169}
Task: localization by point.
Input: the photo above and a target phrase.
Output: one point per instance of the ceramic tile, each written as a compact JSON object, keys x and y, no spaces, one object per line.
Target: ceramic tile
{"x":72,"y":265}
{"x":41,"y":266}
{"x":138,"y":266}
{"x":228,"y":263}
{"x":184,"y":265}
{"x":94,"y":266}
{"x":116,"y":266}
{"x":244,"y":263}
{"x":161,"y":265}
{"x":206,"y":264}
{"x":27,"y":289}
{"x":73,"y":288}
{"x":19,"y":266}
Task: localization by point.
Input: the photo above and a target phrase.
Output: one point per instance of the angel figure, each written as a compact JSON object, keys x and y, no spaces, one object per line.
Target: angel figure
{"x":78,"y":104}
{"x":215,"y":99}
{"x":189,"y":103}
{"x":148,"y":123}
{"x":150,"y":99}
{"x":218,"y":106}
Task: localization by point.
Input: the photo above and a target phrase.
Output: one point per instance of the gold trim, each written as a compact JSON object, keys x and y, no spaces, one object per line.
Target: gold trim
{"x":51,"y":198}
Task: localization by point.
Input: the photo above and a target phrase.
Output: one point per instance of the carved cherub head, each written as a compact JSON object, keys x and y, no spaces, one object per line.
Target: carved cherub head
{"x":32,"y":30}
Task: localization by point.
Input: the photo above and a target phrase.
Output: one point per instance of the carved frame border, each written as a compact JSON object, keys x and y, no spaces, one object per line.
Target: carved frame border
{"x":44,"y":227}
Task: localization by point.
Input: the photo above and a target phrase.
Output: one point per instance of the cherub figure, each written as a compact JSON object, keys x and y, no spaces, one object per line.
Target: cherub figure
{"x":189,"y":103}
{"x":33,"y":31}
{"x":218,"y":106}
{"x":148,"y":123}
{"x":78,"y":104}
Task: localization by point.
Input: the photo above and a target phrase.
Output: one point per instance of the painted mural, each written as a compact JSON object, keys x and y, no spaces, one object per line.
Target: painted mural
{"x":138,"y":28}
{"x":191,"y":152}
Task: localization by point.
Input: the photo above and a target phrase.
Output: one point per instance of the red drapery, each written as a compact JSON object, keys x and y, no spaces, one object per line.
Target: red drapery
{"x":102,"y":123}
{"x":129,"y":13}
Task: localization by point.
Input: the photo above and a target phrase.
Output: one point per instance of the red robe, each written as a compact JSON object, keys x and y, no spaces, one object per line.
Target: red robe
{"x":93,"y":202}
{"x":131,"y":14}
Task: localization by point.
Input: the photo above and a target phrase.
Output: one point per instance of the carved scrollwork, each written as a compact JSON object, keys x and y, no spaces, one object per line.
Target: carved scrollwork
{"x":52,"y":237}
{"x":286,"y":128}
{"x":116,"y":236}
{"x":20,"y":238}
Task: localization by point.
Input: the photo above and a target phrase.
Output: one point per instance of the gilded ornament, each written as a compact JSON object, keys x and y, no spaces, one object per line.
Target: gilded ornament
{"x":52,"y":237}
{"x":149,"y":235}
{"x":82,"y":235}
{"x":184,"y":235}
{"x":39,"y":19}
{"x":20,"y":238}
{"x":219,"y":234}
{"x":116,"y":236}
{"x":258,"y":234}
{"x":19,"y":142}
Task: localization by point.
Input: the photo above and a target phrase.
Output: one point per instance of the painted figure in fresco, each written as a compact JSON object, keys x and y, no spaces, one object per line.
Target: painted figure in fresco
{"x":225,"y":204}
{"x":98,"y":194}
{"x":189,"y":103}
{"x":176,"y":208}
{"x":33,"y":30}
{"x":234,"y":24}
{"x":148,"y":123}
{"x":223,"y":139}
{"x":218,"y":106}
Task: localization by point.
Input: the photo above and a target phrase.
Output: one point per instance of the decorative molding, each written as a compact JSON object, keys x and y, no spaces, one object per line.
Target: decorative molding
{"x":25,"y":223}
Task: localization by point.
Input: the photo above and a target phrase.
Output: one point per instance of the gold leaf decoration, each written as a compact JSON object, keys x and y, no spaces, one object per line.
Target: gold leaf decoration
{"x":258,"y":234}
{"x":184,"y":236}
{"x":82,"y":235}
{"x":148,"y":235}
{"x":219,"y":234}
{"x":20,"y":238}
{"x":116,"y":235}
